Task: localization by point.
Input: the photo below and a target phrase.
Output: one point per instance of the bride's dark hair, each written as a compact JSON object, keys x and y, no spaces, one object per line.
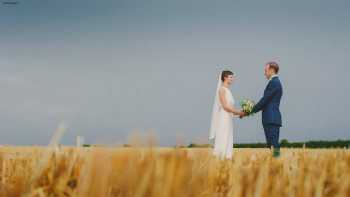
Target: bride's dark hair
{"x":224,"y":74}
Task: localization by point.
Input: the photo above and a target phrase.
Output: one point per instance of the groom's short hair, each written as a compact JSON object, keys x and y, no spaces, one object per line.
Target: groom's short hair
{"x":274,"y":66}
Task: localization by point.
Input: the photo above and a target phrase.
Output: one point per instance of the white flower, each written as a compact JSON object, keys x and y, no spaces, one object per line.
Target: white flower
{"x":247,"y":106}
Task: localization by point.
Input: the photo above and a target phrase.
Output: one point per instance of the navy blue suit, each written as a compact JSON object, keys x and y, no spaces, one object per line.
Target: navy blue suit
{"x":271,"y":115}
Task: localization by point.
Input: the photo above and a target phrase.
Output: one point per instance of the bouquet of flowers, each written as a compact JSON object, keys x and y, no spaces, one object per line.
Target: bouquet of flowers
{"x":247,"y":106}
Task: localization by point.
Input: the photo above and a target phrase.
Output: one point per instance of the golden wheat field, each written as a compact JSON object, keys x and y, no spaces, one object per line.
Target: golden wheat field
{"x":69,"y":171}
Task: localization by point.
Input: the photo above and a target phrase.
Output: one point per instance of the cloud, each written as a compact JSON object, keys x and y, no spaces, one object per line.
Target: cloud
{"x":139,"y":66}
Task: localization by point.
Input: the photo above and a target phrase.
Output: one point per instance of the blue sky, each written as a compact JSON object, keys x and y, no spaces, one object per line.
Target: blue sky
{"x":109,"y":68}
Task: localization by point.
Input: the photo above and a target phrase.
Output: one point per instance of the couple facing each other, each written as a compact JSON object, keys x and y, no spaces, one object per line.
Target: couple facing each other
{"x":221,"y":128}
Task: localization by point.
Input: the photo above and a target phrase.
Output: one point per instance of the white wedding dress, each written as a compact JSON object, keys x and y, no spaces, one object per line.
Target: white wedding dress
{"x":222,"y":127}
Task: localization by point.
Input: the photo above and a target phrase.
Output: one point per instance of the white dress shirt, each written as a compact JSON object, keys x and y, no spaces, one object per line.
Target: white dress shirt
{"x":273,"y":77}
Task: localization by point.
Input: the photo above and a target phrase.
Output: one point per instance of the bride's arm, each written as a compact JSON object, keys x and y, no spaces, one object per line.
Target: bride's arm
{"x":226,"y":106}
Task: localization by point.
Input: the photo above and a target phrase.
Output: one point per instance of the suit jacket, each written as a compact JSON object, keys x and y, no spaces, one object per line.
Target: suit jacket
{"x":270,"y":103}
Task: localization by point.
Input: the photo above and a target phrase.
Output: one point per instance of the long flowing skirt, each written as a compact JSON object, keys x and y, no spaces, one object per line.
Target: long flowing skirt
{"x":223,"y":145}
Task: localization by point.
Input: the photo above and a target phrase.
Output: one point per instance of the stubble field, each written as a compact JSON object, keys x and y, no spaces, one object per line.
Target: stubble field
{"x":103,"y":172}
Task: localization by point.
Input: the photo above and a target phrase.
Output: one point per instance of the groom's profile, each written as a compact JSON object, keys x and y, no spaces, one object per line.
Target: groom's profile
{"x":269,"y":105}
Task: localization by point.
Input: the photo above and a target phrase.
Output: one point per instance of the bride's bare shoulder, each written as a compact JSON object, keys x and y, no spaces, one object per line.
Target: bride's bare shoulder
{"x":222,"y":90}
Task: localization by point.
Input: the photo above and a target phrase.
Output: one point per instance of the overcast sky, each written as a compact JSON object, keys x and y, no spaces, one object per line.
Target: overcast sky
{"x":109,"y":68}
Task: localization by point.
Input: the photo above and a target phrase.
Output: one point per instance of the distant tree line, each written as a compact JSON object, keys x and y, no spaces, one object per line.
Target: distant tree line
{"x":286,"y":144}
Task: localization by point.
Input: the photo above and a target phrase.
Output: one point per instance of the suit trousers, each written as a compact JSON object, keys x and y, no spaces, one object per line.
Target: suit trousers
{"x":272,"y":133}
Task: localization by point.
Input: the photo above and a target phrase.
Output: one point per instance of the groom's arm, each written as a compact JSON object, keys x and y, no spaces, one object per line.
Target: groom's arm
{"x":270,"y":91}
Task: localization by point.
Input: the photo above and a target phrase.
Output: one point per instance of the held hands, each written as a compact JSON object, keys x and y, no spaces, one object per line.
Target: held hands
{"x":242,"y":114}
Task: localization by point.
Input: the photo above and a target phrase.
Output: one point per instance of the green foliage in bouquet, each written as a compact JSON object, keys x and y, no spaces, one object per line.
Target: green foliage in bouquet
{"x":247,"y":106}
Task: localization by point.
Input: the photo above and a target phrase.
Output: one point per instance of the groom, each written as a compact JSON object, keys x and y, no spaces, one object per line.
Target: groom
{"x":269,"y":104}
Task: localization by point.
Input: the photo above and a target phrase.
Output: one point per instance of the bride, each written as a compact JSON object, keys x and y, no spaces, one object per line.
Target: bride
{"x":221,"y":128}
